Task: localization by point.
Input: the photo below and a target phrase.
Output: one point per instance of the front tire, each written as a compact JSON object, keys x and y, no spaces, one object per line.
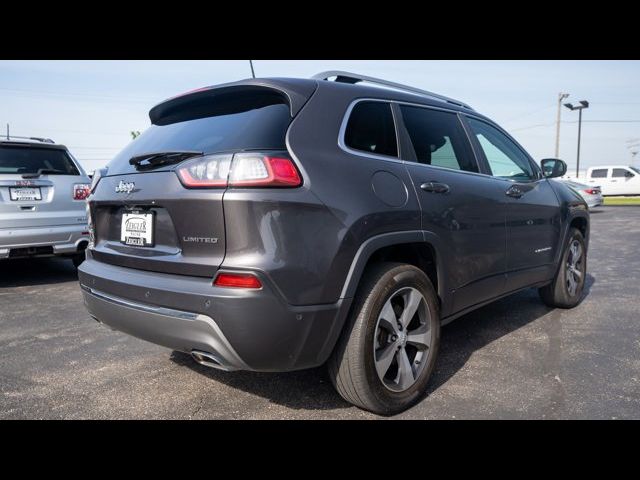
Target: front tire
{"x":387,"y":352}
{"x":565,"y":291}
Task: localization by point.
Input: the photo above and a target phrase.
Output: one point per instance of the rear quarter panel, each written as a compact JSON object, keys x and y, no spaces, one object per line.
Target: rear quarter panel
{"x":343,"y":207}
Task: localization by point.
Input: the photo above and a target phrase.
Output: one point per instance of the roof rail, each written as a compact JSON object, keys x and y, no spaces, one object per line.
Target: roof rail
{"x":348,"y":77}
{"x":37,"y":139}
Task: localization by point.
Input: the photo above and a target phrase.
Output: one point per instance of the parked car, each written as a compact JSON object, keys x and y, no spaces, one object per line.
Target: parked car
{"x":278,"y":224}
{"x":591,"y":194}
{"x":614,"y":179}
{"x":42,"y":200}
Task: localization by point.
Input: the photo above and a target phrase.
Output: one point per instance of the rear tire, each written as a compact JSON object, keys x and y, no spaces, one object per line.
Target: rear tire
{"x":387,"y":351}
{"x":565,"y":291}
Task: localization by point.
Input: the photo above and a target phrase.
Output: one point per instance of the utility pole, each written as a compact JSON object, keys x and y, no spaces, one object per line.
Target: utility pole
{"x":579,"y":131}
{"x":561,"y":96}
{"x":7,"y":131}
{"x":253,"y":74}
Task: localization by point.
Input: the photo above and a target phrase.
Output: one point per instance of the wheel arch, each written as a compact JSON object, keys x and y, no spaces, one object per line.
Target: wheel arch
{"x":417,"y":247}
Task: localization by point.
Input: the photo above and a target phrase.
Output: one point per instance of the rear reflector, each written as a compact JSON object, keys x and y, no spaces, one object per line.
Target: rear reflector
{"x":81,"y":191}
{"x":237,"y":280}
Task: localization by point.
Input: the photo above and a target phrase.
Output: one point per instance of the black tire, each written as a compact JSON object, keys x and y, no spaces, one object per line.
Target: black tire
{"x":78,"y":259}
{"x":557,"y":293}
{"x":352,"y":366}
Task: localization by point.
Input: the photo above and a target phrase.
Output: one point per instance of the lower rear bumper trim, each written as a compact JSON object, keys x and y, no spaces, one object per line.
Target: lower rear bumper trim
{"x":175,"y":329}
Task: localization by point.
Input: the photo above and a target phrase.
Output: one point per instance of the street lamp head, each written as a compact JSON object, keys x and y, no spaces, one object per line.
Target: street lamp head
{"x":583,"y":104}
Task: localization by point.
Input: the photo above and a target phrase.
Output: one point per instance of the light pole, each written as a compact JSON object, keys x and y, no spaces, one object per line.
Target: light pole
{"x":583,"y":104}
{"x":561,"y":96}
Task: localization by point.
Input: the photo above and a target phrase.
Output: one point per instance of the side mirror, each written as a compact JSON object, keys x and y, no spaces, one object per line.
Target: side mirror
{"x":553,"y":167}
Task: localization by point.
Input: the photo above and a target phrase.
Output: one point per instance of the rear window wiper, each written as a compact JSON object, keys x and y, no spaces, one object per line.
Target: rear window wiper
{"x":153,"y":160}
{"x":42,"y":171}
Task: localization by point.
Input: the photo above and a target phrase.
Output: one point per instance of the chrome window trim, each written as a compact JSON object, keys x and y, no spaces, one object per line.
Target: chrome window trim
{"x":343,"y":128}
{"x":360,"y":153}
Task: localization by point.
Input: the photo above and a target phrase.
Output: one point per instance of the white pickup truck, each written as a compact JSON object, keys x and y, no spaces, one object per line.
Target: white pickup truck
{"x":614,"y":179}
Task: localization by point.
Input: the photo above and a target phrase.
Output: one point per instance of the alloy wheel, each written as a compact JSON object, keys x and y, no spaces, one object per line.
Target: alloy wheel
{"x":574,"y":267}
{"x":402,"y":339}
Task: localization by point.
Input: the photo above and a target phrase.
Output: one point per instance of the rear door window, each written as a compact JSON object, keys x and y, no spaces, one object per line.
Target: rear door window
{"x":622,"y":172}
{"x":599,"y":173}
{"x":371,"y":129}
{"x":18,"y":160}
{"x":438,"y":138}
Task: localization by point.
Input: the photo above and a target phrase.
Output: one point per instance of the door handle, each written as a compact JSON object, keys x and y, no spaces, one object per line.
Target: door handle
{"x":435,"y":187}
{"x":514,"y":191}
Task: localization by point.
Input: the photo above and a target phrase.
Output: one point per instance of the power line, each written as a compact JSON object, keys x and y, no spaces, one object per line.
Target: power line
{"x":528,"y":114}
{"x":87,"y":132}
{"x":106,"y":97}
{"x":608,"y":121}
{"x":572,"y":121}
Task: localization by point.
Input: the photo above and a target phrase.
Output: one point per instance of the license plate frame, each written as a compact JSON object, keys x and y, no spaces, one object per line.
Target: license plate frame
{"x":141,"y":228}
{"x":14,"y":197}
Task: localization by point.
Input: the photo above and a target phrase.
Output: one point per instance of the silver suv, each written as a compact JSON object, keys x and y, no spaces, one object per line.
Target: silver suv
{"x":42,"y":200}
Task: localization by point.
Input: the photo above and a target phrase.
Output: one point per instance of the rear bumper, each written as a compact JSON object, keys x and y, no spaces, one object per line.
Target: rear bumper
{"x":594,"y":201}
{"x":243,"y":329}
{"x":172,"y":328}
{"x":64,"y":239}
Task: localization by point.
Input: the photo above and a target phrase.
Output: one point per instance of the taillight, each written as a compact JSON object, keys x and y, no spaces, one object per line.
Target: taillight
{"x":592,"y":191}
{"x":239,"y":170}
{"x":237,"y":280}
{"x":81,"y":191}
{"x":258,"y":170}
{"x":205,"y":172}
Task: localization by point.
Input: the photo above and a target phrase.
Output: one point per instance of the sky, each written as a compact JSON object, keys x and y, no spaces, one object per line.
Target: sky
{"x":91,"y":106}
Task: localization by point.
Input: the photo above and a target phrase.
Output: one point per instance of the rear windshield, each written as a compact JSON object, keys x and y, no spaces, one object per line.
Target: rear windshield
{"x":257,"y":128}
{"x":49,"y":161}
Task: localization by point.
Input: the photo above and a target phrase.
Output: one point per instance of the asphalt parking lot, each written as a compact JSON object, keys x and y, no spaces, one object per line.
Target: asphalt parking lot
{"x":515,"y":358}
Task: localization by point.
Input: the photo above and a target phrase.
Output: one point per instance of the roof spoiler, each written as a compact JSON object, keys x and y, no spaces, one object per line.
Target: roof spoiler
{"x":209,"y":100}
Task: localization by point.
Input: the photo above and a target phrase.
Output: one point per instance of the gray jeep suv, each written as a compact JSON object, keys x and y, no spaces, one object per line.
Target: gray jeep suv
{"x":42,"y":200}
{"x":278,"y":224}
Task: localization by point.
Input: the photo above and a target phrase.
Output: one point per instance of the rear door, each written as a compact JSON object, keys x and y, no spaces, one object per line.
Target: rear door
{"x":184,"y":228}
{"x":624,"y":181}
{"x":37,"y":185}
{"x":461,"y":206}
{"x":533,"y":213}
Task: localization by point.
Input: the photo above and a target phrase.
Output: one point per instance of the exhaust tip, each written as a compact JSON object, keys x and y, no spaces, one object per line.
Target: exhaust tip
{"x":207,"y":359}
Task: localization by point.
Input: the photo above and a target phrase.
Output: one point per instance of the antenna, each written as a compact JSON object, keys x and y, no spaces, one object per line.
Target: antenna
{"x":253,"y":74}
